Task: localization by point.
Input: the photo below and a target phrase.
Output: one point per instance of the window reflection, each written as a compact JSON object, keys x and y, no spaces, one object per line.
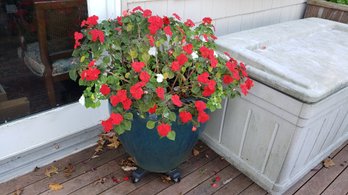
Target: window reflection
{"x":33,"y":61}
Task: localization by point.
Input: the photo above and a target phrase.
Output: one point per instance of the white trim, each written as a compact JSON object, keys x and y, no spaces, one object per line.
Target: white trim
{"x":104,"y":9}
{"x":37,"y":130}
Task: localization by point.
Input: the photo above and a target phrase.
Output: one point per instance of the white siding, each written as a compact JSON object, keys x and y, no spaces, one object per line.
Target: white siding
{"x":228,"y":15}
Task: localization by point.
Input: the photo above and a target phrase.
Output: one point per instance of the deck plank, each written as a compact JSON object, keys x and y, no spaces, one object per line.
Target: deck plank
{"x":236,"y":186}
{"x":156,"y":185}
{"x":186,"y":168}
{"x":206,"y":187}
{"x":339,"y":186}
{"x":32,"y":177}
{"x":80,"y":168}
{"x":198,"y":176}
{"x":325,"y":176}
{"x":88,"y":177}
{"x":314,"y":171}
{"x":253,"y":189}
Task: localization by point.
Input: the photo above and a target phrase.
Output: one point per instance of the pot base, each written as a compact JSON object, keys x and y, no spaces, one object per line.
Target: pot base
{"x":138,"y":174}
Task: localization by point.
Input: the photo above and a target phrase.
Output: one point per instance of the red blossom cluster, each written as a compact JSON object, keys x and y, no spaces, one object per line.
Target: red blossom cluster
{"x":90,"y":74}
{"x":156,"y":23}
{"x":90,"y":22}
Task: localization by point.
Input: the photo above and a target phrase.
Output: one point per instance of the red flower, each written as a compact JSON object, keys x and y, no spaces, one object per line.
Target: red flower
{"x":213,"y":36}
{"x":105,"y":89}
{"x":185,"y":116}
{"x":176,"y":16}
{"x":176,"y":100}
{"x":151,"y":40}
{"x":163,"y":129}
{"x":244,"y":88}
{"x":207,"y":20}
{"x":136,"y":90}
{"x":243,"y":69}
{"x":90,"y":74}
{"x":236,"y":74}
{"x":168,"y":31}
{"x":153,"y":109}
{"x":188,"y":48}
{"x":213,"y":62}
{"x":147,"y":13}
{"x":119,"y":20}
{"x":91,"y":63}
{"x":127,"y":104}
{"x":78,"y":36}
{"x":90,"y":22}
{"x":202,"y":117}
{"x":97,"y":34}
{"x":156,"y":23}
{"x":114,"y":100}
{"x":212,"y":84}
{"x":144,"y":76}
{"x":107,"y":125}
{"x":189,"y":23}
{"x":138,"y":8}
{"x":227,"y":79}
{"x":200,"y":105}
{"x":160,"y":92}
{"x":249,"y":83}
{"x":175,"y":66}
{"x":207,"y":91}
{"x":206,"y":52}
{"x":182,"y":59}
{"x":116,"y":118}
{"x":120,"y":96}
{"x":205,"y":37}
{"x":166,"y":20}
{"x":138,"y":66}
{"x":203,"y":78}
{"x":231,"y":65}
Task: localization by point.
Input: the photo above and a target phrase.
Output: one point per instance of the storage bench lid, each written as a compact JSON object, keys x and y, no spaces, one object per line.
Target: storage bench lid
{"x":306,"y":59}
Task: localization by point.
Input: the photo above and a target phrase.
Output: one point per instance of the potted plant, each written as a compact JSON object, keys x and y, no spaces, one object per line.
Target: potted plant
{"x":336,"y":10}
{"x":162,"y":78}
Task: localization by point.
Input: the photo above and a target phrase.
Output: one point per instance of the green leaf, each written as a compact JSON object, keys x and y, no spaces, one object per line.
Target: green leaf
{"x":119,"y":129}
{"x":150,"y":124}
{"x":128,"y":116}
{"x":73,"y":74}
{"x":145,"y":57}
{"x":172,"y":116}
{"x":133,"y":53}
{"x":82,"y":58}
{"x":127,"y":125}
{"x":171,"y":135}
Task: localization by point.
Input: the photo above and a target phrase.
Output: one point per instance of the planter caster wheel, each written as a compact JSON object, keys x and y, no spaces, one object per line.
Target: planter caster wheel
{"x":177,"y":180}
{"x":135,"y":180}
{"x":174,"y":175}
{"x":138,"y":174}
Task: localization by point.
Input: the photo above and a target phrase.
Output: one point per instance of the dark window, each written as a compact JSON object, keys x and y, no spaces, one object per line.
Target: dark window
{"x":36,"y":41}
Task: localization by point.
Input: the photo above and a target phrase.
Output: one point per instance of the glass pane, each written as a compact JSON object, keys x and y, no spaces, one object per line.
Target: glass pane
{"x":24,"y":88}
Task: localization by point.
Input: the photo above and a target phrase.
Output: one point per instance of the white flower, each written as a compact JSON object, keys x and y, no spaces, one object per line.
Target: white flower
{"x":153,"y":51}
{"x":194,"y":55}
{"x":215,"y":54}
{"x":82,"y":100}
{"x":160,"y":78}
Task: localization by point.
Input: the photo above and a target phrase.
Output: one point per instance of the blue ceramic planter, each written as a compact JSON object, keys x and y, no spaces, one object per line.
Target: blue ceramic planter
{"x":156,"y":154}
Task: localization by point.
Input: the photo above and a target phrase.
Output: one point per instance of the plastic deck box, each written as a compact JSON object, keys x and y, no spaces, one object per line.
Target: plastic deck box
{"x":297,"y":112}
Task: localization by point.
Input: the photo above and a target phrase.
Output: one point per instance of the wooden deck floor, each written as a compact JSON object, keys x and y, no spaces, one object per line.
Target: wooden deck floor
{"x":205,"y":173}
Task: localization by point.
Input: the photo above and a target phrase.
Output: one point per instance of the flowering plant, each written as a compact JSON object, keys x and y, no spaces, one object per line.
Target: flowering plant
{"x":155,"y":65}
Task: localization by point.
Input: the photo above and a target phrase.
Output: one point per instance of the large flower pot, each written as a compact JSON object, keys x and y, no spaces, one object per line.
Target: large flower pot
{"x":155,"y":154}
